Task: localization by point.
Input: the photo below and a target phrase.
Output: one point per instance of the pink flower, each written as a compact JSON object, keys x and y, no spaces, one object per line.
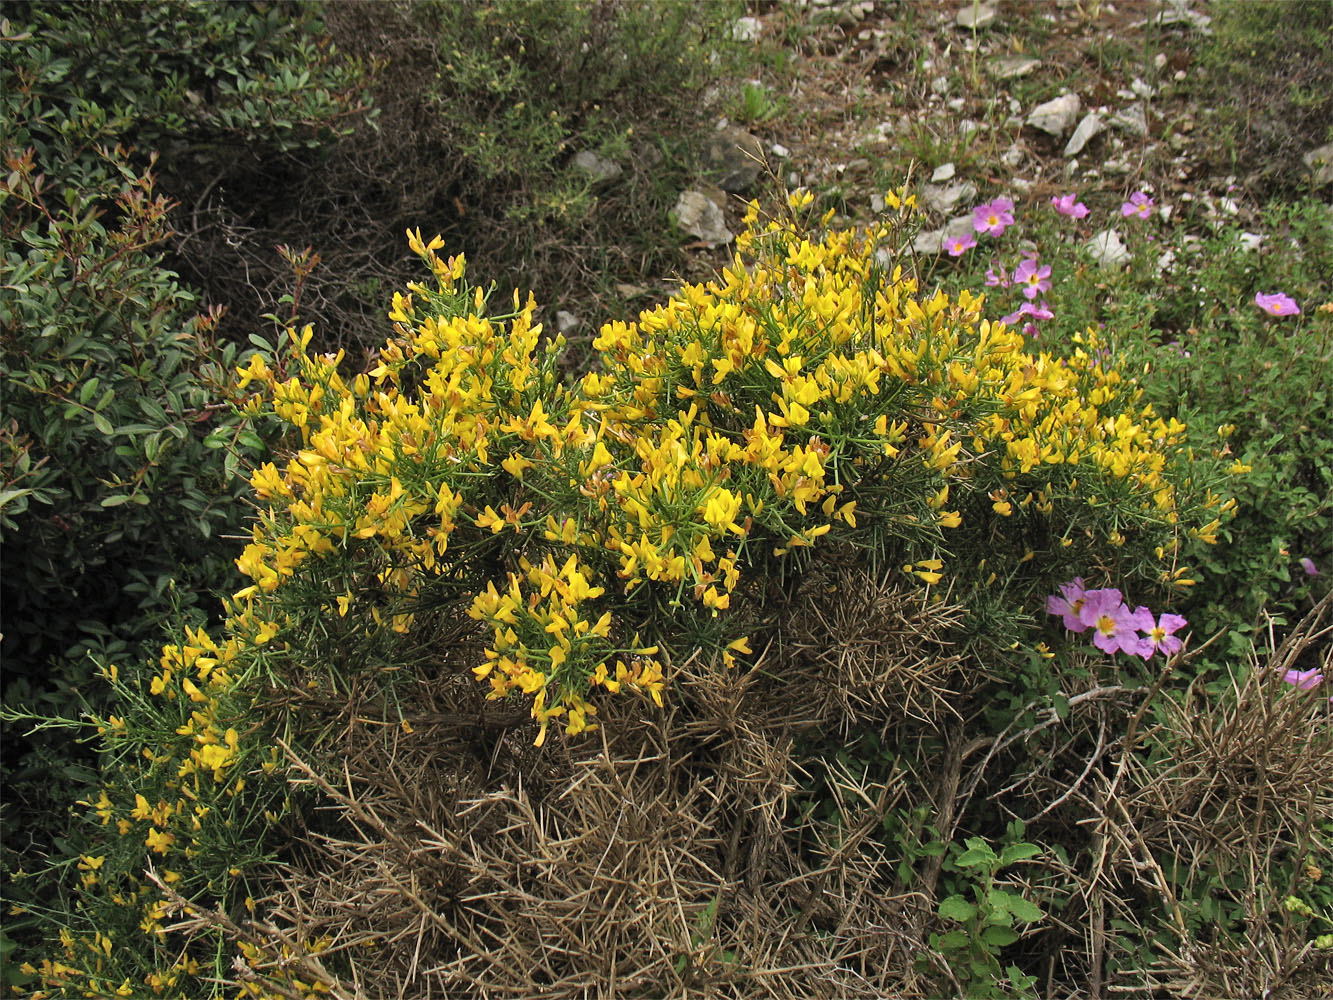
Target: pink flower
{"x":1159,"y":635}
{"x":1068,"y":603}
{"x":1277,"y":304}
{"x":1069,"y":205}
{"x":996,"y":276}
{"x":1309,"y":567}
{"x":1304,"y":679}
{"x":1115,"y":627}
{"x":961,"y":244}
{"x":1028,"y":309}
{"x":1034,"y":279}
{"x":1139,"y":205}
{"x":993,"y":217}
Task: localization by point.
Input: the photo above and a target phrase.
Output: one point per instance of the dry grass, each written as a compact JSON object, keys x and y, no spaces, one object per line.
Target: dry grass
{"x":666,"y":854}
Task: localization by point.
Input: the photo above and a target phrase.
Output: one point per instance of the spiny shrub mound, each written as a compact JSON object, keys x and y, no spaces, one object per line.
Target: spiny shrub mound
{"x":461,"y":513}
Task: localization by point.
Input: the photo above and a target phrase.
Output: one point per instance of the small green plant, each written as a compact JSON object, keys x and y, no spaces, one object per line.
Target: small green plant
{"x":986,"y":922}
{"x":756,"y":105}
{"x":705,"y":955}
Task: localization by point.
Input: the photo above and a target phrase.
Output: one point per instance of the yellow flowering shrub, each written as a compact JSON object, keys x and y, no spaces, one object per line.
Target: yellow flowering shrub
{"x":809,"y":393}
{"x":576,"y":533}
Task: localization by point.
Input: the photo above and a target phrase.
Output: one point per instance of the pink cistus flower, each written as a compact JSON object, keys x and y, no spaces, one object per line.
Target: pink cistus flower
{"x":1033,"y":278}
{"x":1277,"y":304}
{"x":1304,"y":679}
{"x":996,"y":276}
{"x":961,"y":244}
{"x":1308,"y":565}
{"x":1069,"y":205}
{"x":993,"y":217}
{"x":1139,"y":206}
{"x":1031,"y":309}
{"x":1115,"y":628}
{"x":1068,"y":603}
{"x":1159,"y":635}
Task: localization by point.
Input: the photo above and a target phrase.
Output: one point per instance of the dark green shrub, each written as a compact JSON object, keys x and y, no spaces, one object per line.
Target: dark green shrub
{"x":117,"y":452}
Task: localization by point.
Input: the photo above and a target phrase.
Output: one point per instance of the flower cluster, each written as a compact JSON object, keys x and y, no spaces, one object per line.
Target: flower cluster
{"x":1116,"y":629}
{"x":1031,"y":276}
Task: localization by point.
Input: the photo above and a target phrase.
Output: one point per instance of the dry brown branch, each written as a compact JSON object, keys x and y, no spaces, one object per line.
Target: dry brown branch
{"x":1227,"y":800}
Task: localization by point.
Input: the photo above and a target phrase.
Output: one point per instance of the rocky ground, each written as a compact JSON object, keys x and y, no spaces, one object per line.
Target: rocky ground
{"x":973,"y":100}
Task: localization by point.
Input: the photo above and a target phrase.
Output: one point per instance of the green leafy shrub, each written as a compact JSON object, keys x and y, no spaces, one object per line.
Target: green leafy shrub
{"x":118,"y":448}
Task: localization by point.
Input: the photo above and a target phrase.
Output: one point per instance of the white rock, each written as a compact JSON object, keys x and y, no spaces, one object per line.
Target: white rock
{"x":1087,"y":128}
{"x":940,"y":85}
{"x":1141,"y":89}
{"x":975,"y":15}
{"x":566,"y":321}
{"x":1055,"y":117}
{"x":747,"y":29}
{"x":877,"y":203}
{"x":779,"y":150}
{"x":1012,"y":156}
{"x":943,"y":199}
{"x":700,"y":216}
{"x":944,"y":172}
{"x":967,"y":126}
{"x":1013,"y":67}
{"x":1250,"y":241}
{"x":1179,"y":13}
{"x":598,"y":168}
{"x":1133,"y":120}
{"x":956,"y":104}
{"x":935,"y":241}
{"x":1108,"y":250}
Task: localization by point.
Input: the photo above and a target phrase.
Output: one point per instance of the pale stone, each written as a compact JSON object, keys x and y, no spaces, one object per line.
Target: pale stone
{"x":1013,"y":67}
{"x":701,"y":217}
{"x":598,"y":168}
{"x":1087,"y":128}
{"x":1132,"y":120}
{"x":936,"y":240}
{"x":944,"y":172}
{"x":1055,"y":117}
{"x":566,"y":322}
{"x":975,"y":15}
{"x":943,"y":199}
{"x":1108,"y":250}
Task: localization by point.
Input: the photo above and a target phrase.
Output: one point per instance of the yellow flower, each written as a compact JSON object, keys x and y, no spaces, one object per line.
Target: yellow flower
{"x":159,"y":841}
